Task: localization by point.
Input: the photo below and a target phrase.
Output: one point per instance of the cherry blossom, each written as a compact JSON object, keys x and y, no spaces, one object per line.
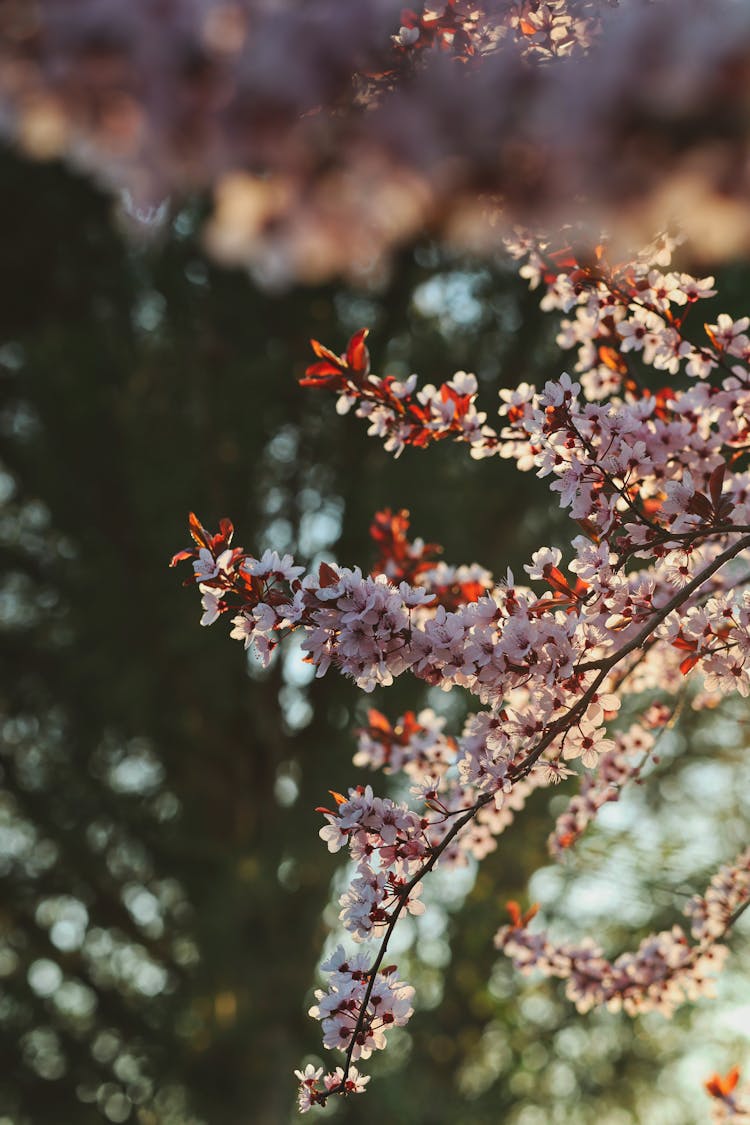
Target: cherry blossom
{"x":651,"y":593}
{"x":664,"y":971}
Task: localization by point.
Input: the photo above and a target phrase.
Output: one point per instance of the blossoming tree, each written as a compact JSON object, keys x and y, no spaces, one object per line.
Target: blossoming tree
{"x":652,"y":594}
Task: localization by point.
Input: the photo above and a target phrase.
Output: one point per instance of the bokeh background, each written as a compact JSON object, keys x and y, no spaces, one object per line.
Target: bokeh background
{"x":164,"y":892}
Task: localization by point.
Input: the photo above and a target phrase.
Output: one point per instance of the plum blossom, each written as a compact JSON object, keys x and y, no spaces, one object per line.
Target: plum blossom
{"x":652,"y":589}
{"x":207,"y":567}
{"x":386,"y":1001}
{"x":587,"y":742}
{"x":270,"y":564}
{"x":212,"y":604}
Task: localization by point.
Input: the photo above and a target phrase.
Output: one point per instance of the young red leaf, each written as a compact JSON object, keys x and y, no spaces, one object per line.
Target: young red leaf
{"x":612,"y":359}
{"x":530,"y":913}
{"x":518,"y":920}
{"x":323,"y":370}
{"x":700,"y":505}
{"x":181,"y":555}
{"x":557,"y":579}
{"x":721,"y":1086}
{"x":198,"y":531}
{"x":357,"y":355}
{"x":514,"y":910}
{"x":378,"y":721}
{"x":688,"y":663}
{"x":471,"y":591}
{"x":327,"y":576}
{"x":716,"y":483}
{"x":325,"y":353}
{"x":683,"y":643}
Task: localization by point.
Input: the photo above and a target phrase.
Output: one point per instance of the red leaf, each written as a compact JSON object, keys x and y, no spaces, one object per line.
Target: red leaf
{"x":700,"y":505}
{"x":332,"y":382}
{"x":663,"y":398}
{"x":719,"y":1086}
{"x":682,"y":642}
{"x":323,"y":370}
{"x":652,"y":504}
{"x":716,"y":483}
{"x":531,"y":913}
{"x":589,"y":529}
{"x":612,"y":359}
{"x":324,"y":353}
{"x":222,"y":540}
{"x":518,"y":920}
{"x":357,"y":355}
{"x":378,"y":721}
{"x":557,"y":579}
{"x":563,"y":259}
{"x":515,"y":913}
{"x":198,"y":531}
{"x":181,"y":555}
{"x":327,"y":576}
{"x":472,"y":591}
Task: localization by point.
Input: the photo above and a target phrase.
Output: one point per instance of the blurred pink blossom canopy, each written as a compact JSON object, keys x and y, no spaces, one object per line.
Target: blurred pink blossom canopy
{"x":329,"y":133}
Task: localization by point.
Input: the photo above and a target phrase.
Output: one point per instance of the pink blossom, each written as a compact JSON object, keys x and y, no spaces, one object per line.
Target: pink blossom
{"x":650,"y":590}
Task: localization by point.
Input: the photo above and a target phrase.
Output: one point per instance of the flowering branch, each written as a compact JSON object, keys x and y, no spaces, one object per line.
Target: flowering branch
{"x":650,"y":595}
{"x":663,"y":972}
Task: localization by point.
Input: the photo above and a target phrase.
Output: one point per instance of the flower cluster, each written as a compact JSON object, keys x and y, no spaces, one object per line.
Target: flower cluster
{"x":654,"y":590}
{"x":414,"y":744}
{"x":418,"y":563}
{"x":716,"y":635}
{"x":663,"y":972}
{"x":553,"y":29}
{"x":618,"y":766}
{"x":357,"y":1010}
{"x":312,"y":1083}
{"x":728,"y":893}
{"x":417,"y":746}
{"x":353,"y":988}
{"x":397,"y":411}
{"x":382,"y":834}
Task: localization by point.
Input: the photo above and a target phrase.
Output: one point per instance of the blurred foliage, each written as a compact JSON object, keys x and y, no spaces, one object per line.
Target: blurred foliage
{"x":163,"y":885}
